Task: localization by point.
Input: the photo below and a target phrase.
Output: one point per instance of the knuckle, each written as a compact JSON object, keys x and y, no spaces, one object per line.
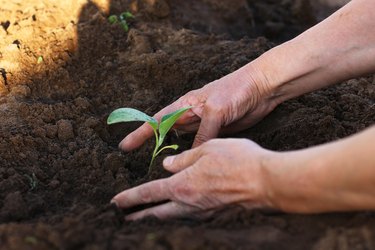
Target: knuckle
{"x":180,"y":159}
{"x":201,"y":137}
{"x":214,"y":106}
{"x":151,"y":191}
{"x":145,"y":196}
{"x":183,"y":190}
{"x":211,"y":159}
{"x":217,"y":142}
{"x":189,"y":192}
{"x":211,"y":106}
{"x":209,"y":146}
{"x":190,"y":97}
{"x":189,"y":94}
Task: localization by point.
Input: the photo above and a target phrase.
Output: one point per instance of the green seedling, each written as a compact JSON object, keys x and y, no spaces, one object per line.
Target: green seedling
{"x":126,"y":15}
{"x":160,"y":129}
{"x":40,"y":59}
{"x":122,"y":19}
{"x":113,"y":19}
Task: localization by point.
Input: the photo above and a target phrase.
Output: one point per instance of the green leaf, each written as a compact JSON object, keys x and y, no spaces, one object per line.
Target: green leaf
{"x":124,"y":25}
{"x":168,"y":121}
{"x":112,"y":19}
{"x":40,"y":59}
{"x":126,"y":15}
{"x":131,"y":115}
{"x":174,"y":146}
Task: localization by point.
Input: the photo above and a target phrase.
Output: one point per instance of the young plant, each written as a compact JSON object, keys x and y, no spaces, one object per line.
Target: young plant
{"x":40,"y":59}
{"x":160,"y":129}
{"x":122,"y":19}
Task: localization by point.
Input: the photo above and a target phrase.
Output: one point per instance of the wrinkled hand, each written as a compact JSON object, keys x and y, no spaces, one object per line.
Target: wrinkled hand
{"x":230,"y":104}
{"x":218,"y":173}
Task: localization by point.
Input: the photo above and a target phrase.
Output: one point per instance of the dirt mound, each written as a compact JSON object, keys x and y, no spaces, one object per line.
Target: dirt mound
{"x":59,"y":162}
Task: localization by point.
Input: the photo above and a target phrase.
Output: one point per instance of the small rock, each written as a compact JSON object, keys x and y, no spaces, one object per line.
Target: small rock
{"x":40,"y":132}
{"x":54,"y":148}
{"x":54,"y":184}
{"x":72,"y":146}
{"x":92,"y":122}
{"x":82,"y":103}
{"x":159,"y":8}
{"x":108,"y":65}
{"x":14,"y":206}
{"x":114,"y":161}
{"x":51,"y":131}
{"x":140,"y":43}
{"x":11,"y":171}
{"x":65,"y":153}
{"x":20,"y":91}
{"x":65,"y":130}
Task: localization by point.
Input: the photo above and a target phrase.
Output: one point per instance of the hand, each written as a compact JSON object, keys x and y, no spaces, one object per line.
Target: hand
{"x":218,"y":173}
{"x":231,"y":104}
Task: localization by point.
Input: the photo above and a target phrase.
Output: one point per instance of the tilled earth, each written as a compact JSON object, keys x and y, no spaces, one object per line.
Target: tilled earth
{"x":64,"y":68}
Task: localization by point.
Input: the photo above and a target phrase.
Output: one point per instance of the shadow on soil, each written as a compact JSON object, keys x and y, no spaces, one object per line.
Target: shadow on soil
{"x":59,"y":163}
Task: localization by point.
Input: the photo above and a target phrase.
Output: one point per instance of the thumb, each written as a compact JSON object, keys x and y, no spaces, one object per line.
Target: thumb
{"x":208,"y":129}
{"x":136,"y":138}
{"x":177,"y":163}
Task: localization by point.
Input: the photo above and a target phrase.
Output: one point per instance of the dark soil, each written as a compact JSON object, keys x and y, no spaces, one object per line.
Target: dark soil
{"x":59,"y":162}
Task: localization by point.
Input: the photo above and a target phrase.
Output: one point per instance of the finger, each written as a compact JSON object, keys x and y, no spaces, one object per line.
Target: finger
{"x":208,"y":129}
{"x":240,"y":125}
{"x":189,"y":128}
{"x":177,"y":163}
{"x":136,"y":138}
{"x":187,"y":118}
{"x":165,"y":211}
{"x":154,"y":191}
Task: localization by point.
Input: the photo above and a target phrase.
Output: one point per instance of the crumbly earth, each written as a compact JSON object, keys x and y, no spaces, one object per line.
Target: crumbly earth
{"x":64,"y":68}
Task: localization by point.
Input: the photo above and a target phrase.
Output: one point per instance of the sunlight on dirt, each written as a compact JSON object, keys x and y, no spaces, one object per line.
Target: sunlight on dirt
{"x":64,"y":68}
{"x":28,"y":38}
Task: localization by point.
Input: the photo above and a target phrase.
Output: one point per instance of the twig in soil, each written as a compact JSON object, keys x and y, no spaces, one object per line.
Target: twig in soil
{"x":33,"y":181}
{"x":4,"y":75}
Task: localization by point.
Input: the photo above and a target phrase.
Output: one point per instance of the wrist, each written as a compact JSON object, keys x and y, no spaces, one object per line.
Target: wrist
{"x":259,"y":88}
{"x":292,"y":181}
{"x":290,"y":70}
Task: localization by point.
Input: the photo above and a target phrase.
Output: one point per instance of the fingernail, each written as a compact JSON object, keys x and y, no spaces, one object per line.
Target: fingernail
{"x":122,"y":145}
{"x":168,"y":161}
{"x":114,"y":202}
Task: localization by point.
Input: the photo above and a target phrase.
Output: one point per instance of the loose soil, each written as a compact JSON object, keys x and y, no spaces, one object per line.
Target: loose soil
{"x":59,"y":162}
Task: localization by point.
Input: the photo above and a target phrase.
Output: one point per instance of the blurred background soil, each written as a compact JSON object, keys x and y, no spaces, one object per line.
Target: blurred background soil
{"x":64,"y":68}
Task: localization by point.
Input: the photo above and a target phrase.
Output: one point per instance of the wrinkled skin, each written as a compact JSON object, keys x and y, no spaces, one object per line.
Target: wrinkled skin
{"x":230,"y":104}
{"x":337,"y":176}
{"x":218,"y":173}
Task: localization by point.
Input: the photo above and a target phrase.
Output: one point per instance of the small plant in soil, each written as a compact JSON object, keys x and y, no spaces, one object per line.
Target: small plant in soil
{"x":122,"y":19}
{"x":160,"y":128}
{"x":40,"y":59}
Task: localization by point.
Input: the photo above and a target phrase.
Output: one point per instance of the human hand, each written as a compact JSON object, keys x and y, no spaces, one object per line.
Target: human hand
{"x":216,"y":174}
{"x":230,"y":104}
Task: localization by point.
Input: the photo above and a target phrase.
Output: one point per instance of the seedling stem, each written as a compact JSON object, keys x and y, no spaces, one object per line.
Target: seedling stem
{"x":160,"y":128}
